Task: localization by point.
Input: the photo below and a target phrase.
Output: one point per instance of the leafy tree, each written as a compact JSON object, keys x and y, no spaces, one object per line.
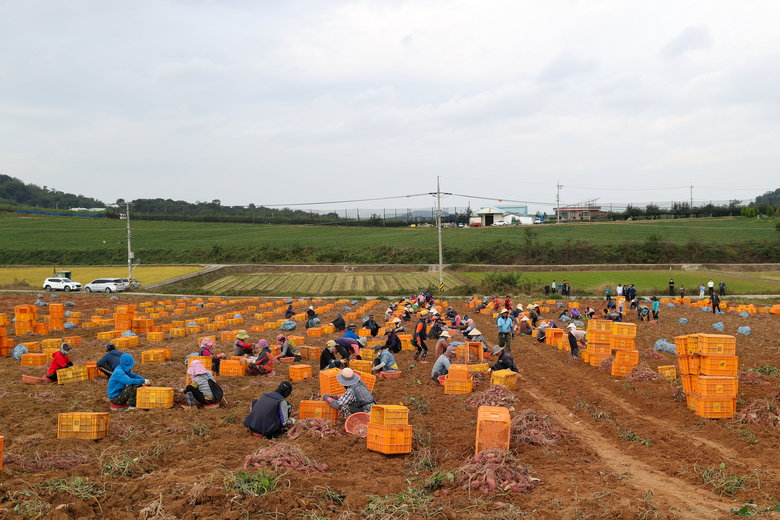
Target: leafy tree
{"x":770,"y":211}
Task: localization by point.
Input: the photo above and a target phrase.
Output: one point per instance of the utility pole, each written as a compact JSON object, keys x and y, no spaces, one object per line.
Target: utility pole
{"x":130,"y":254}
{"x":438,"y":223}
{"x":691,"y":199}
{"x":558,"y":202}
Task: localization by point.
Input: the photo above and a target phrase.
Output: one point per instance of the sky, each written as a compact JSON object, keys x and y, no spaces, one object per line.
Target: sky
{"x":304,"y":102}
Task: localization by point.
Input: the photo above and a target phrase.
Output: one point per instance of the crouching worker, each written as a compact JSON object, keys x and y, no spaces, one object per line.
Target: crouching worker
{"x":242,"y":347}
{"x":269,"y":415}
{"x":207,"y":350}
{"x":288,"y":348}
{"x":264,"y":364}
{"x":443,"y":363}
{"x":356,"y":398}
{"x":505,"y":360}
{"x":384,"y":362}
{"x":59,"y":360}
{"x":108,"y":363}
{"x":124,"y":384}
{"x":573,"y":338}
{"x":199,"y":389}
{"x":328,"y":356}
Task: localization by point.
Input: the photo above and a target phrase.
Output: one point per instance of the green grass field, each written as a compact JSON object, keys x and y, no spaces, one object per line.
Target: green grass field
{"x":328,"y":283}
{"x":650,"y":283}
{"x":67,"y":232}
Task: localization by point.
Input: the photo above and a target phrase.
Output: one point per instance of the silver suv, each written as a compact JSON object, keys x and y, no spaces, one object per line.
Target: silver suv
{"x":105,"y":285}
{"x":61,"y":284}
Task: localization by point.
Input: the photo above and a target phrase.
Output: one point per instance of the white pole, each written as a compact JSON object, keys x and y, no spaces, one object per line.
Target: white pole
{"x":129,"y":249}
{"x":441,"y":268}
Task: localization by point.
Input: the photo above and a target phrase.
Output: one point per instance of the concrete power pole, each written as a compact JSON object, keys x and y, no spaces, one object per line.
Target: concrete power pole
{"x":130,"y":254}
{"x":558,"y":203}
{"x":438,"y":223}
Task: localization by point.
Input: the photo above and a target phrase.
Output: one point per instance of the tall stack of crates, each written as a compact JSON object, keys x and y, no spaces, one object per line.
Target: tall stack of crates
{"x":389,"y":431}
{"x":25,"y":317}
{"x":599,"y":336}
{"x":708,"y":364}
{"x":6,"y":344}
{"x":123,"y":318}
{"x":622,"y":343}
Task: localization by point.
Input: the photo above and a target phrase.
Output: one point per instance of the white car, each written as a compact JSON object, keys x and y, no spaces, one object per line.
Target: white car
{"x":500,"y":223}
{"x":108,"y":285}
{"x":61,"y":284}
{"x":537,"y":221}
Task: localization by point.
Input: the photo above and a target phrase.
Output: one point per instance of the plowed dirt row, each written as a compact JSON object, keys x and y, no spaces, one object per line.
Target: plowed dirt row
{"x":183,"y":458}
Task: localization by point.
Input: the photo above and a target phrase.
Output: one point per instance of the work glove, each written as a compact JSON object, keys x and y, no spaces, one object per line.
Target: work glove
{"x":329,"y":400}
{"x":290,"y":422}
{"x":147,"y":382}
{"x":326,"y":396}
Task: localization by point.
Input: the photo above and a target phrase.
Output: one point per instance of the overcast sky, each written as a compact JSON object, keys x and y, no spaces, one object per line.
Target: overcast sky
{"x":293,"y":102}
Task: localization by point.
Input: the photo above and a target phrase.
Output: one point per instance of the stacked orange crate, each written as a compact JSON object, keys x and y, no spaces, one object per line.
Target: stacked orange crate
{"x":622,"y":341}
{"x":458,"y":380}
{"x":599,"y":336}
{"x":717,"y":384}
{"x":389,"y":431}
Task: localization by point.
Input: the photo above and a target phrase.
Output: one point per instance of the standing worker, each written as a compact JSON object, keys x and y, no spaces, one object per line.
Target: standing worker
{"x":419,"y":337}
{"x":722,"y":287}
{"x":656,"y":308}
{"x":505,"y":329}
{"x":671,"y":287}
{"x":715,"y":303}
{"x":711,"y":286}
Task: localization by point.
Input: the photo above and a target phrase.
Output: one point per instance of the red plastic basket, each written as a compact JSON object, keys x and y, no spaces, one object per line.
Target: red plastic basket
{"x":393,"y":374}
{"x":357,"y":424}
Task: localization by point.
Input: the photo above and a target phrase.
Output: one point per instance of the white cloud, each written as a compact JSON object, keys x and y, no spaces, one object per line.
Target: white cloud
{"x":691,"y":38}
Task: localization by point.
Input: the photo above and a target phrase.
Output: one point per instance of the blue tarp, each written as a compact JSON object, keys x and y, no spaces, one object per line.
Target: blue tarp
{"x":70,"y":304}
{"x":128,"y":333}
{"x":237,"y":316}
{"x":682,"y":321}
{"x":670,"y":305}
{"x":744,"y":330}
{"x":717,"y":326}
{"x":665,"y":346}
{"x":345,"y":309}
{"x":70,"y":325}
{"x":288,"y":325}
{"x":17,"y":352}
{"x":744,"y":315}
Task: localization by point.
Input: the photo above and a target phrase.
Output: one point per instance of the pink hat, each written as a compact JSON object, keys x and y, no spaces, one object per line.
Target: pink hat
{"x":196,"y":368}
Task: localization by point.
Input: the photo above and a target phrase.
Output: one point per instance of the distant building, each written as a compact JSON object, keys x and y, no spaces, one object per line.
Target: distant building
{"x":580,"y":213}
{"x":510,"y":215}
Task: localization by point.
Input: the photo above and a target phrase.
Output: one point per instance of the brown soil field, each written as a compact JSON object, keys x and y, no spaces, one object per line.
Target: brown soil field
{"x":629,"y":449}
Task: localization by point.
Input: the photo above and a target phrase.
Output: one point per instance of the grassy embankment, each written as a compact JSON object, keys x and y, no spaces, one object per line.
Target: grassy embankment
{"x":33,"y":277}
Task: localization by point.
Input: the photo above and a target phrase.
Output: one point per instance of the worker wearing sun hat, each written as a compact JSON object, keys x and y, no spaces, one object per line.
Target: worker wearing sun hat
{"x":573,"y":342}
{"x":505,"y":360}
{"x":505,"y":329}
{"x":242,"y":347}
{"x":419,"y":337}
{"x":442,"y":344}
{"x":475,"y":335}
{"x":357,"y":397}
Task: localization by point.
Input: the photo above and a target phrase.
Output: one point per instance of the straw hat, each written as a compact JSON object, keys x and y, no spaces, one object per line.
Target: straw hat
{"x":520,"y":307}
{"x":347,"y":377}
{"x":475,"y":332}
{"x":396,"y":320}
{"x":444,"y":334}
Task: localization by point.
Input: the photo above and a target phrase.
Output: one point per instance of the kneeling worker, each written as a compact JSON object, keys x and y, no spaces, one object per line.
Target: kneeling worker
{"x":356,"y":398}
{"x":270,"y":414}
{"x":108,"y":363}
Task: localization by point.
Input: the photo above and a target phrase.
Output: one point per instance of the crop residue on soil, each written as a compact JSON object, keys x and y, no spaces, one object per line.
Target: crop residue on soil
{"x":600,"y":446}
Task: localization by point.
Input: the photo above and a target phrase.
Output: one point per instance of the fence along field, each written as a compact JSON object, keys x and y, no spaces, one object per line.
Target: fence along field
{"x":325,"y":283}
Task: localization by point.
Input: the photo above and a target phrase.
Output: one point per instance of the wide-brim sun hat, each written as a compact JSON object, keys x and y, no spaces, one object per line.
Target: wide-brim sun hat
{"x":571,"y":326}
{"x":362,"y":341}
{"x":423,"y":312}
{"x":520,"y":306}
{"x":330,"y":343}
{"x":496,"y":350}
{"x":444,"y":334}
{"x":347,"y":377}
{"x":504,"y":310}
{"x":475,"y":332}
{"x":241,"y":334}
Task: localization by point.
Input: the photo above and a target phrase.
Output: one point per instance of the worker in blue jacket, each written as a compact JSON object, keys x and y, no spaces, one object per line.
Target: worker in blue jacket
{"x":124,"y":384}
{"x":108,"y":363}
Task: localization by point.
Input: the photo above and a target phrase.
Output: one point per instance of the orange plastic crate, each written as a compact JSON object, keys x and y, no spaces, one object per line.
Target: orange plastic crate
{"x":390,"y":440}
{"x":149,"y":397}
{"x":505,"y":378}
{"x":687,"y":383}
{"x":51,"y":343}
{"x":598,"y":336}
{"x":368,"y":379}
{"x":717,"y":386}
{"x":600,"y":348}
{"x":177,"y":332}
{"x":33,"y":346}
{"x":681,"y":345}
{"x":627,"y":357}
{"x":82,"y":425}
{"x":362,"y":365}
{"x":41,"y":329}
{"x":72,"y":375}
{"x":155,"y":336}
{"x":318,"y":410}
{"x":479,"y":367}
{"x":232,"y":368}
{"x":718,"y":365}
{"x":205,"y":361}
{"x":585,"y":355}
{"x":458,"y":386}
{"x":300,"y":372}
{"x":458,"y":372}
{"x":389,"y":414}
{"x":153,"y":356}
{"x":34,"y":360}
{"x":717,"y":345}
{"x":72,"y":340}
{"x":693,"y":344}
{"x":694,"y":364}
{"x":621,"y":370}
{"x":551,"y":336}
{"x":493,"y":428}
{"x":474,"y":352}
{"x":367,"y":354}
{"x":624,"y":329}
{"x":328,"y":329}
{"x":668,"y":371}
{"x":192,"y":329}
{"x":622,"y":342}
{"x":600,"y":325}
{"x":314,"y":332}
{"x":715,"y":407}
{"x":328,"y":382}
